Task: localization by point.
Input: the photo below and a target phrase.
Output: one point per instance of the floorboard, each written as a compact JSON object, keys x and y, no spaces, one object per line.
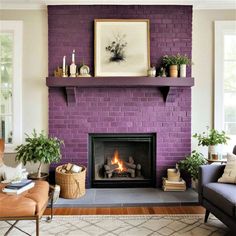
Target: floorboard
{"x":129,"y":210}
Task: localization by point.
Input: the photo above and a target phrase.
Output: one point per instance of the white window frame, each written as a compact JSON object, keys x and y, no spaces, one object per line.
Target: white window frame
{"x":221,"y":28}
{"x":17,"y":28}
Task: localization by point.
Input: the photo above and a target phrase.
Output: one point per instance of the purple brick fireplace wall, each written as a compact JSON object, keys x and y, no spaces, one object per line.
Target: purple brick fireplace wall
{"x":120,"y":110}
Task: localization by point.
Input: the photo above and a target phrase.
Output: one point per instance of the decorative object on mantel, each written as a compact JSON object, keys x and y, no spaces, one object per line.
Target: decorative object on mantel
{"x":84,"y":71}
{"x":212,"y":138}
{"x":176,"y":62}
{"x":73,"y":66}
{"x":152,"y":71}
{"x":184,"y":60}
{"x":71,"y":179}
{"x":191,"y":165}
{"x":58,"y":72}
{"x":64,"y":70}
{"x":171,"y":62}
{"x":162,"y":72}
{"x":121,"y":47}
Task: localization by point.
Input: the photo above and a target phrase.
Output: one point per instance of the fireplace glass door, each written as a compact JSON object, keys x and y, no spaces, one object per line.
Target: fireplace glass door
{"x":122,"y":160}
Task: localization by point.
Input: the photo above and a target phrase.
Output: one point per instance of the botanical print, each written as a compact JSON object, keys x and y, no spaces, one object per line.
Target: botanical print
{"x":121,"y":48}
{"x":117,"y":48}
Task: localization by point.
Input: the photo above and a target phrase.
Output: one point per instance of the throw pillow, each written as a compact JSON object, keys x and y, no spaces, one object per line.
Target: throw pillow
{"x":10,"y":173}
{"x":229,"y":175}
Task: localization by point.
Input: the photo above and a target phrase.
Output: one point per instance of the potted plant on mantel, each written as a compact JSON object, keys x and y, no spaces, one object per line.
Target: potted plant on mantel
{"x":174,"y":62}
{"x":212,"y":138}
{"x":171,"y":62}
{"x":41,"y":149}
{"x":184,"y":60}
{"x":191,"y":165}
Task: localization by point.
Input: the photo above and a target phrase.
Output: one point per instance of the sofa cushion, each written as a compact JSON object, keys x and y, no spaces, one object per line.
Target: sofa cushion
{"x":229,"y":175}
{"x":222,"y":196}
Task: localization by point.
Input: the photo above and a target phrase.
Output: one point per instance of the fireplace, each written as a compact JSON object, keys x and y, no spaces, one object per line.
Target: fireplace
{"x":134,"y":109}
{"x":122,"y":160}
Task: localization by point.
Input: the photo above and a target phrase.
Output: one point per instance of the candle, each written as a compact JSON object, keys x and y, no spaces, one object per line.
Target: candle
{"x":73,"y":56}
{"x":64,"y":64}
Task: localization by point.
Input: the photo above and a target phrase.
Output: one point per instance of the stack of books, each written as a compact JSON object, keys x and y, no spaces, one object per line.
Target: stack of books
{"x":169,"y":185}
{"x":16,"y":188}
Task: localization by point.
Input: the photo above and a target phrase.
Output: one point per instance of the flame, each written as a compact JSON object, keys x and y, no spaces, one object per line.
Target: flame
{"x":116,"y":160}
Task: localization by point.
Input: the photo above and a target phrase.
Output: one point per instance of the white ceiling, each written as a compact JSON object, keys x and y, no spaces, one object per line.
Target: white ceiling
{"x":41,"y":4}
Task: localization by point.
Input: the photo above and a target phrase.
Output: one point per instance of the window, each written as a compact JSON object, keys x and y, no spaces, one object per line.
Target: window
{"x":10,"y":83}
{"x":225,"y":79}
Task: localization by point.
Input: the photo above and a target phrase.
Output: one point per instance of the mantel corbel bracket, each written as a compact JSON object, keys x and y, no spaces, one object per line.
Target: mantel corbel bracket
{"x":71,"y":95}
{"x":164,"y":91}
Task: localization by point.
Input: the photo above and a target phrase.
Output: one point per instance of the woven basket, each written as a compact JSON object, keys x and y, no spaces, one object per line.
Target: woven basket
{"x":72,"y":185}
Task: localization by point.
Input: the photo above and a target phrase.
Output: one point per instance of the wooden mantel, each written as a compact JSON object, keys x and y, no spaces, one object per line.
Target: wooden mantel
{"x":163,"y":84}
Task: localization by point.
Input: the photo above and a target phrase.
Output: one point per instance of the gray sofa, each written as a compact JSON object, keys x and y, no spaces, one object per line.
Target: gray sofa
{"x":218,"y":198}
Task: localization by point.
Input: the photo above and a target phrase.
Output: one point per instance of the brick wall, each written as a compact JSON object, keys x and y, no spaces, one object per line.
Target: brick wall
{"x":71,"y":27}
{"x":119,"y":110}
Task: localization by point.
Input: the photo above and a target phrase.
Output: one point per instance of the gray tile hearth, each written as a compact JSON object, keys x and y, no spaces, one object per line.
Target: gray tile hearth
{"x":119,"y":197}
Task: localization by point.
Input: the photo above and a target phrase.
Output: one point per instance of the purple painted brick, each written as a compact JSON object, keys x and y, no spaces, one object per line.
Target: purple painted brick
{"x":112,"y":110}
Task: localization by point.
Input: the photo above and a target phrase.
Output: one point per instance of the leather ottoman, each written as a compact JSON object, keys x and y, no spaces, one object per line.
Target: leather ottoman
{"x":28,"y":205}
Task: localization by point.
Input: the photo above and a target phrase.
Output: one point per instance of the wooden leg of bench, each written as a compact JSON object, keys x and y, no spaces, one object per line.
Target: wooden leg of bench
{"x":37,"y":226}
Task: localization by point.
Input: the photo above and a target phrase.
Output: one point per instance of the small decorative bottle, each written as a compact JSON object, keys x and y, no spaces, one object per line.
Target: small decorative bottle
{"x":73,"y":66}
{"x":152,"y":71}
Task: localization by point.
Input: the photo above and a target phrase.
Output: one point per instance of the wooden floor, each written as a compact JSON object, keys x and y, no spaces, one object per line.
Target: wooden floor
{"x":129,"y":210}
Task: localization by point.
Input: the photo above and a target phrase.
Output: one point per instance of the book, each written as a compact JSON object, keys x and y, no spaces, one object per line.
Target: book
{"x":173,"y":185}
{"x":180,"y":182}
{"x":19,"y":185}
{"x":173,"y":190}
{"x":18,"y":191}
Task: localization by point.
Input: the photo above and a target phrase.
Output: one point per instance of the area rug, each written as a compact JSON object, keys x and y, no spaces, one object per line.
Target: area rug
{"x":123,"y":225}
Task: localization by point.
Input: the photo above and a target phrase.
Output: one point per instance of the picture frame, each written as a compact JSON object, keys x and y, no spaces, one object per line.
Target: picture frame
{"x":121,"y":47}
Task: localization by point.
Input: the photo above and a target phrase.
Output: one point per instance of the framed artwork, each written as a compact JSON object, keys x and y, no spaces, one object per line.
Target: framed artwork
{"x":121,"y":47}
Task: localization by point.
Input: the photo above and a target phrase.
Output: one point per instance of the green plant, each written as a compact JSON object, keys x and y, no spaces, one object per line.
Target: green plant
{"x":191,"y":163}
{"x":211,"y":137}
{"x":184,"y":60}
{"x":39,"y":148}
{"x":176,"y":60}
{"x":169,"y":60}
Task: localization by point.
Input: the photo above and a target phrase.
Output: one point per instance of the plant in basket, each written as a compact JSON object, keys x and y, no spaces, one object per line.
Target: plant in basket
{"x":40,"y":149}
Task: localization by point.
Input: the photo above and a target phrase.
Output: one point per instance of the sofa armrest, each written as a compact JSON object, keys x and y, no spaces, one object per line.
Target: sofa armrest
{"x":208,"y":174}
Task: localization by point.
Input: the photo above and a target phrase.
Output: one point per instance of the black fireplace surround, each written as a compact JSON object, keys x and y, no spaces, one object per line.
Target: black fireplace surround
{"x":122,"y":160}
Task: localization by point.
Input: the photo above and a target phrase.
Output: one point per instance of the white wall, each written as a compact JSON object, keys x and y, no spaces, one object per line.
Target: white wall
{"x":203,"y":68}
{"x":35,"y":62}
{"x":35,"y":70}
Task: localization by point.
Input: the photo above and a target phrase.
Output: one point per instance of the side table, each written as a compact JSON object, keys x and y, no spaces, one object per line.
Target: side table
{"x":221,"y":161}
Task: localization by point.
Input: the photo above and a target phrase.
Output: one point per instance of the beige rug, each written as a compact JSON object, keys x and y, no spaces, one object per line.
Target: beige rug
{"x":123,"y":225}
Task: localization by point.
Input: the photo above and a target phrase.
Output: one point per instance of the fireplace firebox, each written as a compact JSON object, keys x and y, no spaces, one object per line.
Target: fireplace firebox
{"x":122,"y":160}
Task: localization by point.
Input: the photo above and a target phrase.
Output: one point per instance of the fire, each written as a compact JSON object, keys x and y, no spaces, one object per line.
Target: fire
{"x":116,"y":160}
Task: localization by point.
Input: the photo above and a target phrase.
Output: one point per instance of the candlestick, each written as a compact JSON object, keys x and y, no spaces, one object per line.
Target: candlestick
{"x":73,"y":66}
{"x":73,"y":56}
{"x":64,"y":67}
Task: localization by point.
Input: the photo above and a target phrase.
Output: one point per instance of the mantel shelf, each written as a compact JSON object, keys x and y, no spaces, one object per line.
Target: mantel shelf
{"x":164,"y":84}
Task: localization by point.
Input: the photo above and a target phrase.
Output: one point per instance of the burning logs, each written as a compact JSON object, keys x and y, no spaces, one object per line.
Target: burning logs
{"x":119,"y":168}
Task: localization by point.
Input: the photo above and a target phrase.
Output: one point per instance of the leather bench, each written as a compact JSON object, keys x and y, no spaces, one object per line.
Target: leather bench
{"x":28,"y":205}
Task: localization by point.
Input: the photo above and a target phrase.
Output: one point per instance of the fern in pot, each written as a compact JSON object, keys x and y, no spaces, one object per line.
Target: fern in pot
{"x":40,"y":149}
{"x":171,"y":62}
{"x":191,"y":165}
{"x":212,"y":138}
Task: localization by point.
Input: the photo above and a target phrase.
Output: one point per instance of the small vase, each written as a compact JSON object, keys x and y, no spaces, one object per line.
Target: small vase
{"x":213,"y":152}
{"x":174,"y":71}
{"x":152,"y":71}
{"x":183,"y":71}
